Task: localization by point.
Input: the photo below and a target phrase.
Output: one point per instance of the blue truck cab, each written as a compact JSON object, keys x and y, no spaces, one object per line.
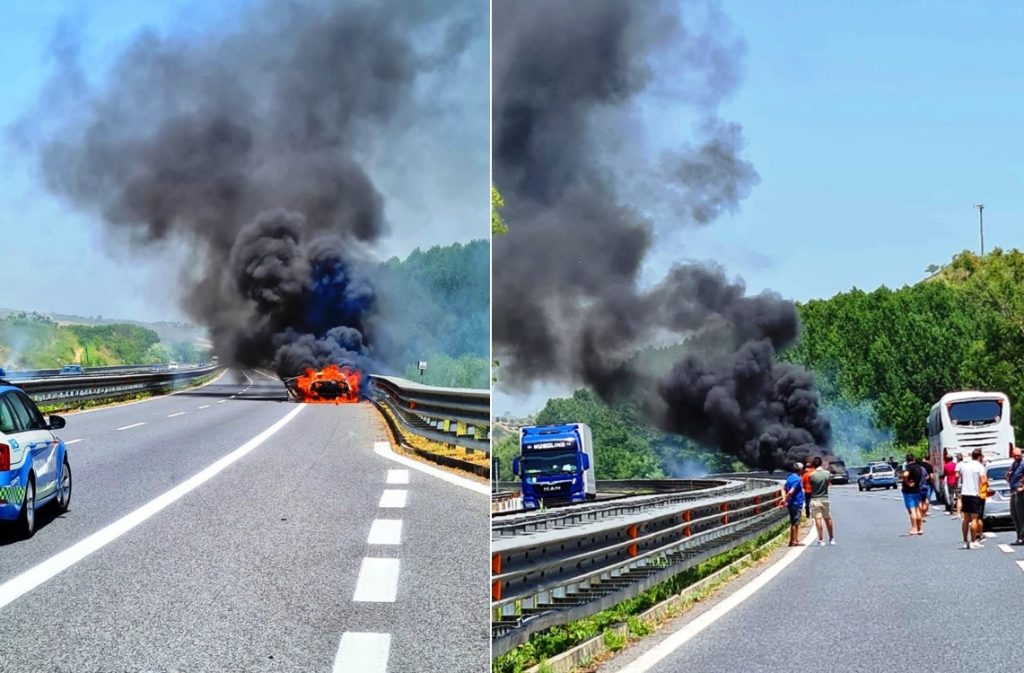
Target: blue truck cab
{"x":555,"y":464}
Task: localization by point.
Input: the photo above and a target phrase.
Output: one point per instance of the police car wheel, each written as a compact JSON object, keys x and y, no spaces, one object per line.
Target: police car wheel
{"x":63,"y":500}
{"x":26,"y":525}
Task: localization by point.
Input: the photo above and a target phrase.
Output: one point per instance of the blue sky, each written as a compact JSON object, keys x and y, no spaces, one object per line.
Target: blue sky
{"x":875,"y":127}
{"x":73,"y":268}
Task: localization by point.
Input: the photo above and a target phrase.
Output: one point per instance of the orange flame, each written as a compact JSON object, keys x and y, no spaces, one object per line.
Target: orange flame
{"x":332,"y":384}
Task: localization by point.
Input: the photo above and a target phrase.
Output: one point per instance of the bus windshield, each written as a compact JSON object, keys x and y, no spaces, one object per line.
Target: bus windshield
{"x":975,"y":412}
{"x":549,"y":462}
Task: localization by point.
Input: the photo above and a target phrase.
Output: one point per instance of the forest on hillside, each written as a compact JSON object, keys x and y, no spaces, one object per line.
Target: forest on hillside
{"x":881,"y":359}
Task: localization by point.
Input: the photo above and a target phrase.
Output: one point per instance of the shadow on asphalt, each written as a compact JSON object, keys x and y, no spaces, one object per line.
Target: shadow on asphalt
{"x":45,"y":515}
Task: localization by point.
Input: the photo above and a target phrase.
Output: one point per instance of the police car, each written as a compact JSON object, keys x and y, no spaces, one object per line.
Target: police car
{"x":34,"y":468}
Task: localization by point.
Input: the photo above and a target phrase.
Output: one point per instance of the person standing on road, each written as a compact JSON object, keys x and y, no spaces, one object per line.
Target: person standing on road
{"x":972,"y":478}
{"x":911,"y":478}
{"x":805,"y":480}
{"x":926,"y":486}
{"x":793,"y":498}
{"x":959,"y":467}
{"x":820,"y":510}
{"x":1015,"y":478}
{"x":949,"y":483}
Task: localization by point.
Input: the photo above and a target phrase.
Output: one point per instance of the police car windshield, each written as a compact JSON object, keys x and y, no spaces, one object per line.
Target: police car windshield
{"x":549,"y":462}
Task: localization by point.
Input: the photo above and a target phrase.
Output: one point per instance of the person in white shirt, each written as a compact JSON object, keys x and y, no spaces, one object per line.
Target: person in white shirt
{"x":972,"y":478}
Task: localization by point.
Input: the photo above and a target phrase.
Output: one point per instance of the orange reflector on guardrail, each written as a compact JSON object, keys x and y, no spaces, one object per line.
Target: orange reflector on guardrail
{"x":633,"y":531}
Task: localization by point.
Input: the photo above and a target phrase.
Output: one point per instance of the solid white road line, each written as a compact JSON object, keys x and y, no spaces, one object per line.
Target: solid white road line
{"x":393,"y":497}
{"x":1006,"y":548}
{"x":385,"y":531}
{"x":247,"y":378}
{"x":72,"y":441}
{"x":383,"y":449}
{"x":204,"y":406}
{"x":36,"y":575}
{"x":180,"y":413}
{"x":698,"y":624}
{"x":398,"y":476}
{"x":133,"y":425}
{"x":377,"y":581}
{"x":361,"y":652}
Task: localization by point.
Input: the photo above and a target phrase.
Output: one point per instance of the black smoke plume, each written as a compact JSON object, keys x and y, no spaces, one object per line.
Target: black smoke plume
{"x":246,"y":145}
{"x":568,"y":303}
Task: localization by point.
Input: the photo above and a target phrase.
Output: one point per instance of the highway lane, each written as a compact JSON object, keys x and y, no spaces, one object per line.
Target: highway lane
{"x":117,"y":470}
{"x":259,"y":568}
{"x":874,"y":602}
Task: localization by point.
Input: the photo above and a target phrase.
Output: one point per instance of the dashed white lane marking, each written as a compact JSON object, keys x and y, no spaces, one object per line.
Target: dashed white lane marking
{"x":377,"y":581}
{"x":221,"y":401}
{"x":385,"y":531}
{"x":204,"y":406}
{"x":1006,"y":548}
{"x":247,"y":378}
{"x":698,"y":624}
{"x":133,"y":425}
{"x":72,"y":441}
{"x":989,"y":535}
{"x":148,"y":399}
{"x":383,"y":449}
{"x":180,"y":413}
{"x":398,"y":476}
{"x":393,"y":497}
{"x":361,"y":652}
{"x":36,"y":575}
{"x":1020,"y":564}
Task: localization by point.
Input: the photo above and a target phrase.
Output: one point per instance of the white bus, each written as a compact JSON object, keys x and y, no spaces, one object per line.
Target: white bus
{"x":968,"y":420}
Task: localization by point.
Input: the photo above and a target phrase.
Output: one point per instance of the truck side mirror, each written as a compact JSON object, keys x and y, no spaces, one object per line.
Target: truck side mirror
{"x":586,"y":461}
{"x":515,"y":466}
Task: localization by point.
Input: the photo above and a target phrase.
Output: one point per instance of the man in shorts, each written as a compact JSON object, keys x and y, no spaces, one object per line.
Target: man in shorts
{"x":793,"y":499}
{"x":911,"y":488}
{"x":926,"y":486}
{"x":819,"y":501}
{"x":972,"y":478}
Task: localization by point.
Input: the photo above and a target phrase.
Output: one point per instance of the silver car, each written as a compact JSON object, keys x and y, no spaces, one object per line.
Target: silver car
{"x":997,"y":505}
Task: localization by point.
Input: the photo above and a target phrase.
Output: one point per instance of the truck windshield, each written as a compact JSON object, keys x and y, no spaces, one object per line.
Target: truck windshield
{"x":975,"y":412}
{"x":553,"y":462}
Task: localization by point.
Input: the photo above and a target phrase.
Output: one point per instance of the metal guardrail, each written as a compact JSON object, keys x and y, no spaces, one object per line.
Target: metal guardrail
{"x":21,"y":374}
{"x":459,"y":416}
{"x":81,"y":388}
{"x":557,"y":575}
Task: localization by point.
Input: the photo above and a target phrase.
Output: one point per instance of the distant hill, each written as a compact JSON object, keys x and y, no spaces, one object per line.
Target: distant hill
{"x":169,"y":332}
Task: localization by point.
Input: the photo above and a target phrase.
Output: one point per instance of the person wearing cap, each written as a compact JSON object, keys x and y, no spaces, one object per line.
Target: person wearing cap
{"x":911,"y":478}
{"x":973,"y":480}
{"x":1015,"y":479}
{"x":793,"y":500}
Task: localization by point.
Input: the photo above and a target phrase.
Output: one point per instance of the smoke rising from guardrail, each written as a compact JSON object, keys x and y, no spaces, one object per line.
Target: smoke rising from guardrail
{"x":247,"y":145}
{"x":568,"y":302}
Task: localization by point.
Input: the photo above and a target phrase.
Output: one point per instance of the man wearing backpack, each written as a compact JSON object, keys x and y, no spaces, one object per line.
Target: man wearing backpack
{"x":911,"y":478}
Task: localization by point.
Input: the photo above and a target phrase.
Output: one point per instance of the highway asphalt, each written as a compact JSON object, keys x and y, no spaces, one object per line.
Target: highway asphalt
{"x":877,"y":601}
{"x":268,"y":565}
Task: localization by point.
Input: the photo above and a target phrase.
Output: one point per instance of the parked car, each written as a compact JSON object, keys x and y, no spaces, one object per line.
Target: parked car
{"x":840,"y":475}
{"x":876,"y":475}
{"x":72,"y":370}
{"x":34,"y":468}
{"x":997,"y":504}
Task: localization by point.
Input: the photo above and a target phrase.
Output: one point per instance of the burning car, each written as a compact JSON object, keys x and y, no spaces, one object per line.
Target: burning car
{"x":332,"y":384}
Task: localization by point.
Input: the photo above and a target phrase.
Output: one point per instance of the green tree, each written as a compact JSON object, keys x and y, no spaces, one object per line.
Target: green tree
{"x":498,"y":225}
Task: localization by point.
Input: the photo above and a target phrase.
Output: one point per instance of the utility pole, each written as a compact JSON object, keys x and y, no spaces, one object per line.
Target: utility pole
{"x":981,"y":225}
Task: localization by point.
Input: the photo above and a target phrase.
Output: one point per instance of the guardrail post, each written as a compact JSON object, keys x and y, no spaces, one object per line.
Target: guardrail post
{"x":633,"y":531}
{"x":496,"y":584}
